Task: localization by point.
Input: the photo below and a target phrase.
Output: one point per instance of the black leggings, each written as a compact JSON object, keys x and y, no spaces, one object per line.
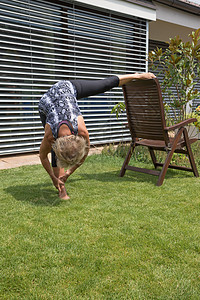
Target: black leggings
{"x":53,"y":155}
{"x":86,"y":88}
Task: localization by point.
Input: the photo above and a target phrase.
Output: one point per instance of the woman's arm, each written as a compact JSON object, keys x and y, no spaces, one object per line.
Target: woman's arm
{"x":82,"y":131}
{"x":45,"y":148}
{"x":123,"y":79}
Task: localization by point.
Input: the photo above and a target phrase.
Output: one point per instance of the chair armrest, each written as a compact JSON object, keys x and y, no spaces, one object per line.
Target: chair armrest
{"x":181,"y":124}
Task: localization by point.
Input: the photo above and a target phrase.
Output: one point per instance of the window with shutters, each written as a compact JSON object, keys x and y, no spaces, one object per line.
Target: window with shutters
{"x":46,"y":41}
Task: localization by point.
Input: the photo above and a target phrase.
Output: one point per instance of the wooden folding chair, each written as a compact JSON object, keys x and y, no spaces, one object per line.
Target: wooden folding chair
{"x":146,"y":120}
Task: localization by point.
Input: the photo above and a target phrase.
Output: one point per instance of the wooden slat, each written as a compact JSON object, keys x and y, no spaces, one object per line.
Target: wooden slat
{"x":146,"y":171}
{"x":144,"y":111}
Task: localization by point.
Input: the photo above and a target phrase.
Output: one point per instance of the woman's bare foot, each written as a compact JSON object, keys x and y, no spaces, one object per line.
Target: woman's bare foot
{"x":63,"y":194}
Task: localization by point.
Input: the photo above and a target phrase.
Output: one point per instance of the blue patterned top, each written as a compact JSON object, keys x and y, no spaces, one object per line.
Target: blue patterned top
{"x":59,"y":103}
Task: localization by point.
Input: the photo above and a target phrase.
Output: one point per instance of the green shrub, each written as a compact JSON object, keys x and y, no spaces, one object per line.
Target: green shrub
{"x":141,"y":154}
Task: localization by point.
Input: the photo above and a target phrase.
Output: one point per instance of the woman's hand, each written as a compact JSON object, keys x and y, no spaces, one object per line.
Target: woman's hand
{"x":64,"y":177}
{"x":58,"y":183}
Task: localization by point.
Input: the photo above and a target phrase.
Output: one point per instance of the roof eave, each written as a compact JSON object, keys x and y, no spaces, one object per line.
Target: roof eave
{"x":183,"y":5}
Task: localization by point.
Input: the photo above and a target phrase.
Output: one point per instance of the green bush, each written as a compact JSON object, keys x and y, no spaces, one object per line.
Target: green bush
{"x":141,"y":154}
{"x":179,"y":66}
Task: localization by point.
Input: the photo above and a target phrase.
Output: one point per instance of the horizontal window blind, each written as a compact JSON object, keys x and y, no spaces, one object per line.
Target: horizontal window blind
{"x":46,"y":41}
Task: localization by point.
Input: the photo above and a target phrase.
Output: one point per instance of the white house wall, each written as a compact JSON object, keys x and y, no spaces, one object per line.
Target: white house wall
{"x":176,"y":16}
{"x":162,"y":31}
{"x":124,"y":7}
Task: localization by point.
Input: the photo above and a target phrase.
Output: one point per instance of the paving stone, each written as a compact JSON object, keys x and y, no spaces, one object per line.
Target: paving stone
{"x":14,"y":161}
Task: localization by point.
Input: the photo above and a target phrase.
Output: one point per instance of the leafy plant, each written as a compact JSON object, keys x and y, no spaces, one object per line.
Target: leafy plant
{"x":179,"y":64}
{"x":196,"y":114}
{"x":118,"y":109}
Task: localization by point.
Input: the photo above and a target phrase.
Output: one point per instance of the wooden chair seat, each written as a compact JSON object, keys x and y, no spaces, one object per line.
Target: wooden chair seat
{"x":161,"y":144}
{"x":146,"y":121}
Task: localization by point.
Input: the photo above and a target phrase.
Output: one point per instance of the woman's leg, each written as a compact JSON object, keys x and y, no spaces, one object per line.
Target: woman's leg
{"x":58,"y":172}
{"x":86,"y":88}
{"x":123,"y":79}
{"x":42,"y":118}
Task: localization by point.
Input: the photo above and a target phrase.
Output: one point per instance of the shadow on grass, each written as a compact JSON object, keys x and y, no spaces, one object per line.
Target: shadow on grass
{"x":131,"y":176}
{"x":36,"y":194}
{"x":43,"y":194}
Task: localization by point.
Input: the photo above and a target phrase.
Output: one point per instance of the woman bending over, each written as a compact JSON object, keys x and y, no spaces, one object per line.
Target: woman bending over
{"x":66,"y":136}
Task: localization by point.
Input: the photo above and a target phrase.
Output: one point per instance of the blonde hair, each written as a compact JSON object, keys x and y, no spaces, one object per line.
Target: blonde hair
{"x":70,"y":150}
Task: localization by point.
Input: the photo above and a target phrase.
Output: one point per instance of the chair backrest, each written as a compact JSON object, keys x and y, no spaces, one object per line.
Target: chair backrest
{"x":145,"y":110}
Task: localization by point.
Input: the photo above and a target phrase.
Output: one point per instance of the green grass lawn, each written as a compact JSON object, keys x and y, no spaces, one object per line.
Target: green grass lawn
{"x":117,"y":238}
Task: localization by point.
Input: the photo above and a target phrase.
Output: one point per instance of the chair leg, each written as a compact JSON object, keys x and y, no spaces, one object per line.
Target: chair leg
{"x":127,"y":159}
{"x":168,"y":159}
{"x":190,"y":154}
{"x":153,"y":157}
